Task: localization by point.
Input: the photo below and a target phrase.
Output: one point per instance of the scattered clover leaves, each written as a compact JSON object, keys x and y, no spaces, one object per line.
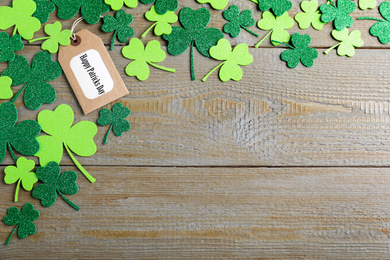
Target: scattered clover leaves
{"x":44,"y":9}
{"x":339,"y":13}
{"x":5,"y":88}
{"x":119,"y":24}
{"x":8,"y":46}
{"x":162,"y":22}
{"x":216,"y":4}
{"x":367,"y":4}
{"x":347,"y":42}
{"x":237,"y":21}
{"x":381,"y":29}
{"x":56,"y":37}
{"x":116,"y":119}
{"x":309,"y":16}
{"x":118,"y":4}
{"x":42,"y":69}
{"x":163,"y":6}
{"x":279,"y":7}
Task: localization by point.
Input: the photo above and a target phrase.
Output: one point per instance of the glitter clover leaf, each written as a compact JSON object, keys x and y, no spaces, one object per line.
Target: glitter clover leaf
{"x":347,"y":43}
{"x":300,"y":51}
{"x":118,"y":4}
{"x":20,"y":16}
{"x":119,"y":25}
{"x":42,"y":69}
{"x":44,"y":9}
{"x":163,"y":6}
{"x":56,"y":37}
{"x":162,"y":22}
{"x":276,"y":26}
{"x":77,"y":138}
{"x":216,"y":4}
{"x":5,"y":88}
{"x":23,"y":220}
{"x":279,"y":7}
{"x":193,"y":32}
{"x":339,"y":13}
{"x":91,"y":10}
{"x":54,"y":182}
{"x":230,"y":68}
{"x":8,"y":46}
{"x":21,"y":173}
{"x":237,"y":21}
{"x":381,"y":29}
{"x":21,"y":136}
{"x":116,"y":119}
{"x":143,"y":56}
{"x":367,"y":4}
{"x":309,"y":16}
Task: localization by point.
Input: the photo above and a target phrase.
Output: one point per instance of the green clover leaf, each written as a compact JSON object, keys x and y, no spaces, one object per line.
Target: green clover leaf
{"x":367,"y":4}
{"x":20,"y":16}
{"x":338,"y":13}
{"x":119,"y":24}
{"x":91,"y":10}
{"x":22,"y":173}
{"x":237,"y":21}
{"x":116,"y":120}
{"x":54,"y":182}
{"x":42,"y":69}
{"x":300,"y":51}
{"x":279,"y":7}
{"x":230,"y":68}
{"x":56,"y":37}
{"x":78,"y":138}
{"x":276,"y":26}
{"x":44,"y":9}
{"x":23,"y":221}
{"x":347,"y":42}
{"x":8,"y":46}
{"x":381,"y":29}
{"x":118,"y":4}
{"x":310,"y":15}
{"x":143,"y":56}
{"x":193,"y":32}
{"x":21,"y":136}
{"x":5,"y":88}
{"x":163,"y":6}
{"x":216,"y":4}
{"x":162,"y":22}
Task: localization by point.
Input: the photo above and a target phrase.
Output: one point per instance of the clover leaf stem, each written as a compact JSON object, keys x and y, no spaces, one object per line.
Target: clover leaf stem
{"x":10,"y":236}
{"x":113,"y":41}
{"x":86,"y":174}
{"x":68,"y":201}
{"x":261,"y":41}
{"x":211,"y":71}
{"x":11,"y":151}
{"x":38,"y":39}
{"x":161,"y":67}
{"x":17,"y":190}
{"x":192,"y":61}
{"x":18,"y":94}
{"x":106,"y":136}
{"x":147,"y":30}
{"x":370,"y":18}
{"x":255,"y":1}
{"x":15,"y":30}
{"x":249,"y":31}
{"x":285,"y":44}
{"x":331,"y":48}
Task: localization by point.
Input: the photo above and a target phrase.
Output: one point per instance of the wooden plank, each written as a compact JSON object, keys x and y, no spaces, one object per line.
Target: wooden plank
{"x":263,"y":213}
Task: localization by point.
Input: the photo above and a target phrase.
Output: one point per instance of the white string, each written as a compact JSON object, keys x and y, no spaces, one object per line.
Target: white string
{"x":75,"y":23}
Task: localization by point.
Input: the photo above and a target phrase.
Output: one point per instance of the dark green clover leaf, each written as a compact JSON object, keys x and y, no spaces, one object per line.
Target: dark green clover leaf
{"x":54,"y":182}
{"x":119,"y":24}
{"x":116,"y":120}
{"x":23,"y":221}
{"x":381,"y":29}
{"x":279,"y":7}
{"x":91,"y":10}
{"x":163,"y":6}
{"x":193,"y":33}
{"x":42,"y":69}
{"x":338,"y":13}
{"x":21,"y":136}
{"x":300,"y":51}
{"x":44,"y":9}
{"x":8,"y":46}
{"x":237,"y":21}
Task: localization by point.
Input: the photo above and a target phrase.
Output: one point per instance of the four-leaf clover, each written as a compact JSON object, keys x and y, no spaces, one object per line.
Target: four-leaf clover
{"x":347,"y":43}
{"x":21,"y":173}
{"x":381,"y":29}
{"x":216,"y":4}
{"x":279,"y":7}
{"x":338,"y":13}
{"x":78,"y":138}
{"x":8,"y":46}
{"x":162,"y":22}
{"x":237,"y":21}
{"x":310,"y":15}
{"x":163,"y":6}
{"x":5,"y":88}
{"x":119,"y":24}
{"x":44,"y":9}
{"x":230,"y":68}
{"x":118,"y":4}
{"x":116,"y":119}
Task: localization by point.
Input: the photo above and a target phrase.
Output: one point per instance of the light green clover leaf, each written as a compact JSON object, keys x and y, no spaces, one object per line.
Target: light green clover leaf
{"x":310,"y":15}
{"x":22,"y":173}
{"x":143,"y":56}
{"x":230,"y":68}
{"x":5,"y":87}
{"x":367,"y":4}
{"x":56,"y":37}
{"x":276,"y":26}
{"x":77,"y":138}
{"x":162,"y":22}
{"x":347,"y":42}
{"x":118,"y":4}
{"x":216,"y":4}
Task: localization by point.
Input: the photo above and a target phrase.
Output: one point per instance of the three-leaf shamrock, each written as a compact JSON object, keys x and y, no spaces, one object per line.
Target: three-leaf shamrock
{"x":237,"y":21}
{"x":310,"y":15}
{"x":20,"y":16}
{"x":21,"y":136}
{"x":367,"y":4}
{"x":21,"y":173}
{"x":279,"y":7}
{"x":116,"y":119}
{"x":44,"y":9}
{"x":216,"y":4}
{"x":42,"y":69}
{"x":163,"y":6}
{"x":56,"y":37}
{"x":230,"y":68}
{"x":91,"y":10}
{"x":118,"y":4}
{"x":78,"y":138}
{"x":119,"y":24}
{"x":5,"y":88}
{"x":8,"y":46}
{"x":143,"y":56}
{"x":300,"y":51}
{"x":347,"y":42}
{"x":162,"y":22}
{"x":194,"y":32}
{"x":381,"y":29}
{"x":276,"y":26}
{"x":338,"y":13}
{"x":23,"y":221}
{"x":54,"y":182}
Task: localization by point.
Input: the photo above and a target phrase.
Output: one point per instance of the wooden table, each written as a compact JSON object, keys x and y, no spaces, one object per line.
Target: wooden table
{"x":284,"y":164}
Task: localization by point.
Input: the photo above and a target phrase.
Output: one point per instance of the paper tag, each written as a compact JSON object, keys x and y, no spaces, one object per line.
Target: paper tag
{"x":91,"y":72}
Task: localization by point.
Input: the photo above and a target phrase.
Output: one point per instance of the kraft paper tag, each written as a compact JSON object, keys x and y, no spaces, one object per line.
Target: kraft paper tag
{"x":91,"y":72}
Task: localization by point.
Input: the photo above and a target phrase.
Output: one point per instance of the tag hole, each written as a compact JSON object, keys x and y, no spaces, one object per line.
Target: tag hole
{"x":75,"y":42}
